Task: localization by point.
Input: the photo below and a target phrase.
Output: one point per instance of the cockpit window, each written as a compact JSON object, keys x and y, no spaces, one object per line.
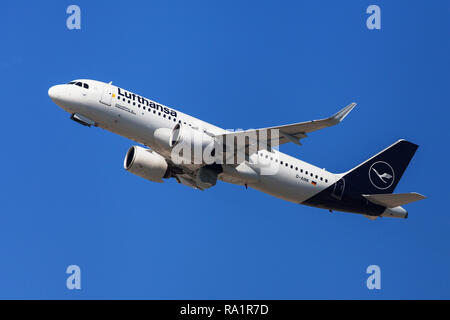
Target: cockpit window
{"x":80,"y":84}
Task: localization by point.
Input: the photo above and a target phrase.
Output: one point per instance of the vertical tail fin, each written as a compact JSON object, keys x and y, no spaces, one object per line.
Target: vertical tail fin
{"x":382,"y":172}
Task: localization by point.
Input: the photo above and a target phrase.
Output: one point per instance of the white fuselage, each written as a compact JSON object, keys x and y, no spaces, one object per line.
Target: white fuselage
{"x":137,"y":118}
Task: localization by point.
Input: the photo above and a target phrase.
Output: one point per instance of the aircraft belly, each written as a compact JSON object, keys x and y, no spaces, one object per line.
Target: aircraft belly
{"x":288,"y":188}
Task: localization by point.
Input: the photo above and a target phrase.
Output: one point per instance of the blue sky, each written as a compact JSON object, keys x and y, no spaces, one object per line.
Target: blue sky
{"x":66,"y":199}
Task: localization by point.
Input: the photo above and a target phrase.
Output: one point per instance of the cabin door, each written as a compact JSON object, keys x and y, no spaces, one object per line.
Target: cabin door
{"x":338,"y":190}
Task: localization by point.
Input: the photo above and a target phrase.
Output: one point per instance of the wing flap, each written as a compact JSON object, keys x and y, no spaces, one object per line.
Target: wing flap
{"x":392,"y":200}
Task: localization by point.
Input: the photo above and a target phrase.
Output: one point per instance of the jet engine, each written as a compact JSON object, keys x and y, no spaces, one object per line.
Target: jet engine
{"x":188,"y":145}
{"x":163,"y":137}
{"x":146,"y":164}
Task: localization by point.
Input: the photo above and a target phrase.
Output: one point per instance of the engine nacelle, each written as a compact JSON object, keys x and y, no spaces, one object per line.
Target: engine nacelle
{"x":146,"y":164}
{"x":191,"y":145}
{"x":163,"y":137}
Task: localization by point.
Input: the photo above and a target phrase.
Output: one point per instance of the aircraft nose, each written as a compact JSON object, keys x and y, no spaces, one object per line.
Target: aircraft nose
{"x":53,"y":92}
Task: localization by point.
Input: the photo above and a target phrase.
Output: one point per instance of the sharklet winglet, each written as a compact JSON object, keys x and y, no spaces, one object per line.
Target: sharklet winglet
{"x":341,"y":114}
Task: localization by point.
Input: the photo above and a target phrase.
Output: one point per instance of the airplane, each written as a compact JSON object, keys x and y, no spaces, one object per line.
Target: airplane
{"x":367,"y":189}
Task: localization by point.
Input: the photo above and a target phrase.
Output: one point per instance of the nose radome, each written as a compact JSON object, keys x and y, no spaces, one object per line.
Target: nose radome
{"x":53,"y":92}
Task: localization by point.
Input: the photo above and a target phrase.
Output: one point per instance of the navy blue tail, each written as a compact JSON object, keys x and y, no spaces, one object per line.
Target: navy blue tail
{"x":381,"y":173}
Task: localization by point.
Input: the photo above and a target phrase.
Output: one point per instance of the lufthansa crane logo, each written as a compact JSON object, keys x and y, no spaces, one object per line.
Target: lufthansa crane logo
{"x":381,"y":175}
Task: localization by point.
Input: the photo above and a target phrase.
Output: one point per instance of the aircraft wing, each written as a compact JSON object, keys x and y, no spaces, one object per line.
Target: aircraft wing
{"x":273,"y":136}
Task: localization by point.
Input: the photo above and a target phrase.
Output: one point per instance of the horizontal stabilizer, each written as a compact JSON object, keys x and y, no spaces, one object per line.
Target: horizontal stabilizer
{"x":391,"y":200}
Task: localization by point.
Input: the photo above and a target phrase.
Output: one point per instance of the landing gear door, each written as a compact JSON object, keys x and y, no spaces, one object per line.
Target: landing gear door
{"x":338,"y":190}
{"x":107,"y":94}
